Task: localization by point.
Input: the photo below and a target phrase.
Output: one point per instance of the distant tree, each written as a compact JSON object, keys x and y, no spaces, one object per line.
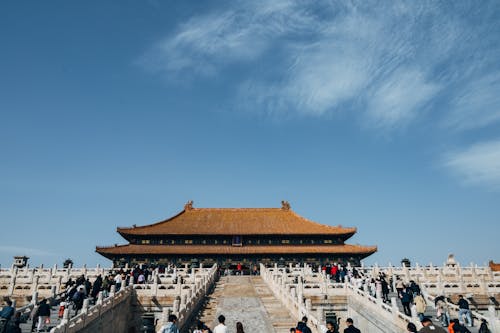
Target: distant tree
{"x":67,"y":262}
{"x":406,"y":262}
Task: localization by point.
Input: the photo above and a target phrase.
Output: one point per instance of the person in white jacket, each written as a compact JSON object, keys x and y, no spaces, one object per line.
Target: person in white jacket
{"x":221,"y":328}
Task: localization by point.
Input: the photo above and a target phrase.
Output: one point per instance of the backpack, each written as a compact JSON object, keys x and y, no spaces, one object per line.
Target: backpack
{"x":76,"y":297}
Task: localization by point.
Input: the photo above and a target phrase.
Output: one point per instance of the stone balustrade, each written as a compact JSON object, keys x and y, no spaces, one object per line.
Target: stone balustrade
{"x":296,"y":286}
{"x":185,"y":296}
{"x":292,"y":298}
{"x":289,"y":287}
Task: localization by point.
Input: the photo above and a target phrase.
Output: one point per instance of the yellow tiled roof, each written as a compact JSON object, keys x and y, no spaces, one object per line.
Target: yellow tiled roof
{"x":237,"y":221}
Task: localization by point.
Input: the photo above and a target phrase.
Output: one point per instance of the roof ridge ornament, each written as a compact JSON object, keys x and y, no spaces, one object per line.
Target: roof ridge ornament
{"x":285,"y":205}
{"x":188,"y":205}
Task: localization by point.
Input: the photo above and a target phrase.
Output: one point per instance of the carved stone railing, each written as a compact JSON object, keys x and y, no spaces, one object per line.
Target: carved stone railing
{"x":293,"y":300}
{"x":21,"y":283}
{"x":187,"y":296}
{"x":295,"y":287}
{"x":490,"y":317}
{"x":91,"y":314}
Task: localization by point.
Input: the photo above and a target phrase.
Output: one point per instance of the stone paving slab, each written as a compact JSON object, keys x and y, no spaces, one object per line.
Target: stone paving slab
{"x":247,"y":299}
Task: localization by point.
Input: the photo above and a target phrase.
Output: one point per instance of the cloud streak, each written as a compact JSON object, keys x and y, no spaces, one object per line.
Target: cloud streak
{"x":19,"y":250}
{"x":387,"y":63}
{"x":478,"y":164}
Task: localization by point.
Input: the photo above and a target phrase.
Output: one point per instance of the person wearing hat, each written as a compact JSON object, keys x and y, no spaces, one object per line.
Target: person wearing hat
{"x":428,"y":327}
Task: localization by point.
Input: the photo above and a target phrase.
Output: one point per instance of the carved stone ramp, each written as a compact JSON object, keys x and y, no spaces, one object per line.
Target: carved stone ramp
{"x":249,"y":300}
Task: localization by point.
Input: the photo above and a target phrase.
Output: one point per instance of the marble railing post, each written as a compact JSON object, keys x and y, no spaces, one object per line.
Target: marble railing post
{"x":112,"y":291}
{"x":65,"y":317}
{"x":12,"y":283}
{"x":394,"y":305}
{"x":85,"y":306}
{"x":99,"y":298}
{"x":493,"y":319}
{"x":34,"y":298}
{"x":176,"y":305}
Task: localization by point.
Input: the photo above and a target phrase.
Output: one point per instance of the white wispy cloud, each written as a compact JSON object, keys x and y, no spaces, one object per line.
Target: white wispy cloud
{"x":478,"y":164}
{"x":387,"y":62}
{"x":400,"y":98}
{"x":476,"y":104}
{"x":21,"y":250}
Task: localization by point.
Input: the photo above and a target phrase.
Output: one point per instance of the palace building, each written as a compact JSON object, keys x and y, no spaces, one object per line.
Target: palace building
{"x":228,"y":236}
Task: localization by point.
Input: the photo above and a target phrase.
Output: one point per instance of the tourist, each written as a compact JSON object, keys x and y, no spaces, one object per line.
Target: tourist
{"x":451,"y":325}
{"x":406,"y":300}
{"x":14,"y":323}
{"x":206,"y":329}
{"x":415,"y":288}
{"x":62,"y":307}
{"x":302,"y":326}
{"x":420,"y":306}
{"x":239,"y":269}
{"x":6,"y":315}
{"x":442,"y":312}
{"x":78,"y":298}
{"x":170,"y":326}
{"x":88,"y":287}
{"x":239,"y":328}
{"x":350,"y":326}
{"x":332,"y":327}
{"x":411,"y":328}
{"x":484,"y":327}
{"x":199,"y":327}
{"x":460,"y":328}
{"x":463,"y":309}
{"x":400,"y":286}
{"x":221,"y":328}
{"x":428,"y":327}
{"x":43,"y":315}
{"x":118,"y":282}
{"x":293,"y":330}
{"x":96,"y":288}
{"x":141,"y":279}
{"x":385,"y":289}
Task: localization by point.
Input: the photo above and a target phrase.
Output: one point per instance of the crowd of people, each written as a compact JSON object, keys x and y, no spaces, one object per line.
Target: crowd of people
{"x":75,"y":293}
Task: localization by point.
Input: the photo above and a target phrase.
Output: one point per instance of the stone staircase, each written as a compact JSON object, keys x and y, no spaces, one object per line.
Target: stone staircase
{"x":280,"y":317}
{"x":246,"y":299}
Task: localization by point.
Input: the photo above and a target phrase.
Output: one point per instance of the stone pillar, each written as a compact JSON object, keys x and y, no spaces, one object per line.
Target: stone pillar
{"x":53,"y":292}
{"x":99,"y":298}
{"x":308,"y":305}
{"x":394,"y":305}
{"x":164,"y":316}
{"x":321,"y":315}
{"x":85,"y":305}
{"x":34,"y":297}
{"x":112,"y":291}
{"x":493,"y":320}
{"x":34,"y":282}
{"x":12,"y":283}
{"x":176,"y":305}
{"x":65,"y":318}
{"x":414,"y":315}
{"x":378,"y":293}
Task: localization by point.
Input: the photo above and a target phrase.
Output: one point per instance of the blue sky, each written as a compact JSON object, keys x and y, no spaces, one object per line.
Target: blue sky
{"x":376,"y":115}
